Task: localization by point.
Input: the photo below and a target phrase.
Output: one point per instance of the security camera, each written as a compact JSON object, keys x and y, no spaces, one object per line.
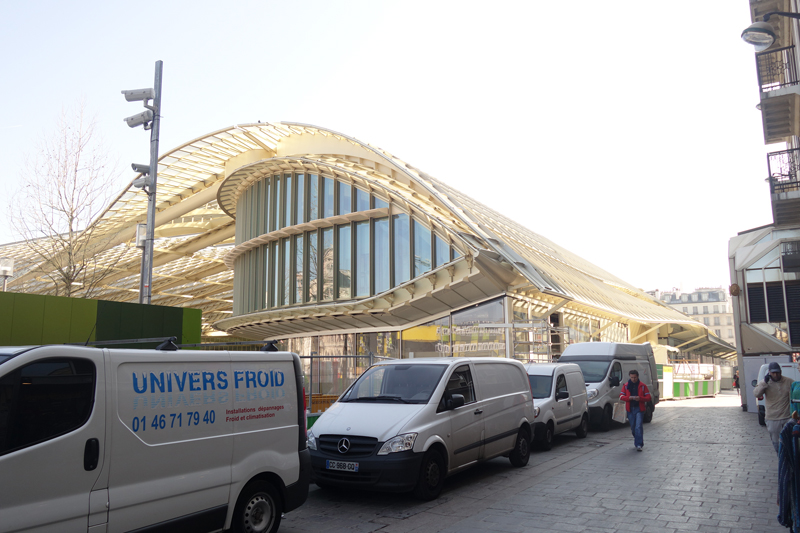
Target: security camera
{"x":142,"y":118}
{"x":141,"y":169}
{"x":142,"y":182}
{"x":139,"y":94}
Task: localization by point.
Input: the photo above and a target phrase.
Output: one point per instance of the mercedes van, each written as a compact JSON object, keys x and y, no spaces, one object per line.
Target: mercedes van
{"x":103,"y":440}
{"x":405,"y":425}
{"x":559,"y":395}
{"x":605,"y":367}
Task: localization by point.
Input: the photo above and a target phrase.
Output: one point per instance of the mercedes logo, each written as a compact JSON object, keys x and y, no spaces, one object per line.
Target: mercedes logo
{"x":343,"y":446}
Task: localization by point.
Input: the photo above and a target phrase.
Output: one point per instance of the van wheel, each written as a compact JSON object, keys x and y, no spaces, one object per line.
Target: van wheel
{"x":546,"y":440}
{"x":605,"y":423}
{"x":258,"y":509}
{"x":431,"y":476}
{"x":583,"y":429}
{"x":648,"y":414}
{"x":522,"y":450}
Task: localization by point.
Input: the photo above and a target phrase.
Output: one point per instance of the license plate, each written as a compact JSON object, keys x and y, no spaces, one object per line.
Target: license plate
{"x":344,"y":466}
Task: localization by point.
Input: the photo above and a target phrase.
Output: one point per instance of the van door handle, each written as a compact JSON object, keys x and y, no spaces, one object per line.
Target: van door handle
{"x":478,"y":411}
{"x":91,"y":454}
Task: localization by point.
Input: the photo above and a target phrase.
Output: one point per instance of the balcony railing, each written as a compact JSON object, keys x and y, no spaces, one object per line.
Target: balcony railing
{"x":776,"y":69}
{"x":784,"y":169}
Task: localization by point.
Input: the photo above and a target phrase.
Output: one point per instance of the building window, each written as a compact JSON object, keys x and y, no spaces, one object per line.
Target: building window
{"x":402,"y":249}
{"x":442,"y":251}
{"x":287,"y":271}
{"x":381,"y":255}
{"x":705,"y":309}
{"x":685,"y":310}
{"x":684,"y":297}
{"x":298,"y":268}
{"x":730,"y":320}
{"x":694,"y":310}
{"x":267,"y":289}
{"x":716,"y":321}
{"x":422,"y":249}
{"x":344,"y":278}
{"x":362,"y":200}
{"x":345,"y":198}
{"x":716,"y":309}
{"x":380,"y":204}
{"x":362,"y":258}
{"x":313,"y":264}
{"x":706,"y":321}
{"x":275,"y":300}
{"x":327,"y":197}
{"x":278,"y":204}
{"x":313,"y":197}
{"x":730,"y":333}
{"x":327,"y":264}
{"x":287,"y":185}
{"x":717,"y":333}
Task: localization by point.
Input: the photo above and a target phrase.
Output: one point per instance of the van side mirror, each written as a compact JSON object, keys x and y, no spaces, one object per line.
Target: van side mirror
{"x":614,"y":381}
{"x":562,"y":395}
{"x":455,"y":401}
{"x":755,"y":383}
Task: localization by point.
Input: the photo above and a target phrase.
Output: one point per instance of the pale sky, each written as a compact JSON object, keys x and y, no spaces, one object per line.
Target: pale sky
{"x":626,"y":132}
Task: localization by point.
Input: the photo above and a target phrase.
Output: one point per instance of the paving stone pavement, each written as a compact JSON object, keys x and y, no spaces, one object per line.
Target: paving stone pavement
{"x":707,"y":466}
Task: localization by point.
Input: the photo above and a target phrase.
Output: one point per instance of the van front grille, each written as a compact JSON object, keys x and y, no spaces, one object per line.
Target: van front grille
{"x":359,"y":446}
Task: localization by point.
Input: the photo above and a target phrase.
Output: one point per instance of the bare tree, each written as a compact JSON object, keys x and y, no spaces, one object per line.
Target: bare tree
{"x":66,"y":183}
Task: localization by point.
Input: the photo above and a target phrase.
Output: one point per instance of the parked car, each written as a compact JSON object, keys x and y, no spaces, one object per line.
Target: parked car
{"x":405,"y":425}
{"x":104,"y":440}
{"x":605,"y":366}
{"x":559,"y":395}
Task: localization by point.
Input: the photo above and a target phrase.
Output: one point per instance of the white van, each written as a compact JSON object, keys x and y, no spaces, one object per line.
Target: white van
{"x":406,"y":424}
{"x":605,"y":367}
{"x":559,"y":393}
{"x":790,"y":370}
{"x":108,"y":441}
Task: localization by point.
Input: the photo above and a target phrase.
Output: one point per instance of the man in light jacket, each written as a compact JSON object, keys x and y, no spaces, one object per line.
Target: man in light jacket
{"x":636,"y":395}
{"x":776,"y":390}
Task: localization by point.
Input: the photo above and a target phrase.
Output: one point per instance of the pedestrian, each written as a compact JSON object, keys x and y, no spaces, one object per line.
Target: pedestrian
{"x":635,"y":395}
{"x":776,"y":390}
{"x":736,"y":382}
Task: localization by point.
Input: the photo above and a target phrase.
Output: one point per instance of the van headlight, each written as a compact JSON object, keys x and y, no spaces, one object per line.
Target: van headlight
{"x":591,"y":393}
{"x":536,"y":411}
{"x":312,"y":441}
{"x":400,"y":443}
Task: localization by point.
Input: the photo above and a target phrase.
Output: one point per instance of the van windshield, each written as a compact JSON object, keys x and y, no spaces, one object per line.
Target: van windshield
{"x":395,"y":384}
{"x":593,"y":371}
{"x":540,"y":385}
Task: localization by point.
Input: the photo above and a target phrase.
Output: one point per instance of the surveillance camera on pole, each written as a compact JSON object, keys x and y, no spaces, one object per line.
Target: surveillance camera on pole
{"x":150,"y":118}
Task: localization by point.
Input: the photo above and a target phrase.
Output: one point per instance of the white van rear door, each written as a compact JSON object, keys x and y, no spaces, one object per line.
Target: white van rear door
{"x":52,"y":437}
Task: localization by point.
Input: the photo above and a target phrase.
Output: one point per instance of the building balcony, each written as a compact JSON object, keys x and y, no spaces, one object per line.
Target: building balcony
{"x":777,"y":69}
{"x":784,"y":186}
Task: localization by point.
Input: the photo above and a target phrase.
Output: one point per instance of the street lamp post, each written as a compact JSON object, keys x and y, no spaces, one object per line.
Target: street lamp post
{"x":6,"y":269}
{"x":151,"y":120}
{"x":761,"y":34}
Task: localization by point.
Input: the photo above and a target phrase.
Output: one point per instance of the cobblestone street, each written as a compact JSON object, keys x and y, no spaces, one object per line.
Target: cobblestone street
{"x":706,"y":466}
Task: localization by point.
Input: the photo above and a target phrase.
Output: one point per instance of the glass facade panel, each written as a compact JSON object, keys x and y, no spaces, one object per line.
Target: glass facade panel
{"x":381,"y":344}
{"x":402,"y":249}
{"x":276,"y":275}
{"x":287,"y":181}
{"x":327,"y":264}
{"x":380,"y":203}
{"x":266,"y":278}
{"x":313,"y":197}
{"x":298,"y":268}
{"x":471,"y":337}
{"x":362,"y":258}
{"x":287,"y":271}
{"x":381,"y":255}
{"x":301,"y":198}
{"x":345,"y":259}
{"x":267,"y":210}
{"x":345,"y":198}
{"x":313,"y":264}
{"x":278,"y":204}
{"x":362,"y":200}
{"x":442,"y":251}
{"x":428,"y":340}
{"x":422,"y":249}
{"x":327,"y":197}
